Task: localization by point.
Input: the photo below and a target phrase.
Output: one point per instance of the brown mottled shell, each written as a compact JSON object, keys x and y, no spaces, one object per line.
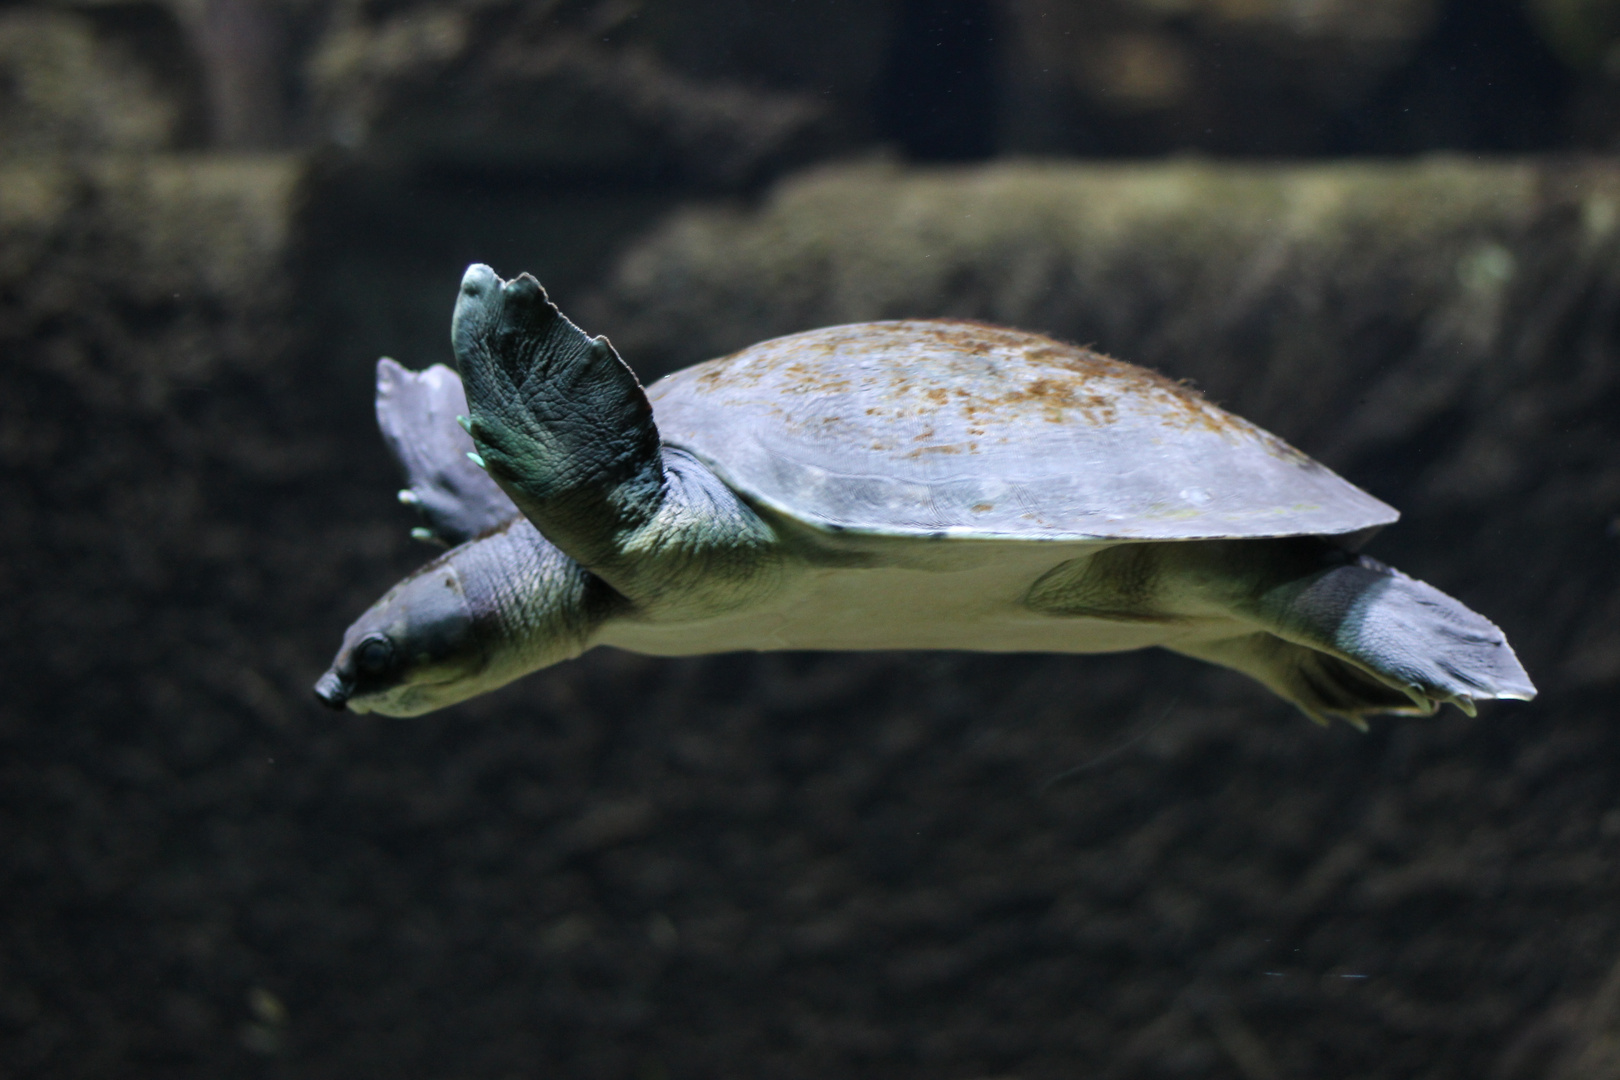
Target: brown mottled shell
{"x":928,"y":427}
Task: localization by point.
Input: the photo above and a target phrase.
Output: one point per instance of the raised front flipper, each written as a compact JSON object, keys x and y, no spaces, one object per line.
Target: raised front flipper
{"x":417,"y":412}
{"x":567,"y":431}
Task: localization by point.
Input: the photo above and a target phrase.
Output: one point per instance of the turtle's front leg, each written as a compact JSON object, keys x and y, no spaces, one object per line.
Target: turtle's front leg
{"x":564,"y":427}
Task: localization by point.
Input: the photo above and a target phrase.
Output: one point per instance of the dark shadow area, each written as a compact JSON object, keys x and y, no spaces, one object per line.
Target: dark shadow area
{"x":1483,"y":80}
{"x":937,"y":96}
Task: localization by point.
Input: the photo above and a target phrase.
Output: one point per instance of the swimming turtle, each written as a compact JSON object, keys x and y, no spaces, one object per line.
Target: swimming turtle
{"x":917,"y":484}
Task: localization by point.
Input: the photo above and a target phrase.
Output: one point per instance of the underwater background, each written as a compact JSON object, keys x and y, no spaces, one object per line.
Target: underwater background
{"x":1387,"y":230}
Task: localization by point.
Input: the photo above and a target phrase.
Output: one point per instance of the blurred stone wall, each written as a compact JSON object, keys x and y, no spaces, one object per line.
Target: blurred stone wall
{"x":213,"y":216}
{"x":729,"y":92}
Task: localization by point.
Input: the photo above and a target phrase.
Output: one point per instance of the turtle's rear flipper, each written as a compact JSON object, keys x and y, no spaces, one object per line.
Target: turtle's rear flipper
{"x":417,"y":412}
{"x":1323,"y":687}
{"x":1361,"y":637}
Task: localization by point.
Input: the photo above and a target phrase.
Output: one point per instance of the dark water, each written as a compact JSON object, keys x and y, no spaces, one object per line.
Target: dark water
{"x":1389,"y":232}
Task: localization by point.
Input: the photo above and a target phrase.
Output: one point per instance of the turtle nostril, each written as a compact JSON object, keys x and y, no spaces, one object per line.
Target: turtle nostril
{"x":332,"y":692}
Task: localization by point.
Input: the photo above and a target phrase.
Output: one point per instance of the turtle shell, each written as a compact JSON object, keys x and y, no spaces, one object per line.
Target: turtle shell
{"x":944,"y":427}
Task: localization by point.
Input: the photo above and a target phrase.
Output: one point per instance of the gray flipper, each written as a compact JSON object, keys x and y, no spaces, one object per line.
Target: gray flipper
{"x":417,"y":412}
{"x":1362,"y":638}
{"x":1319,"y":685}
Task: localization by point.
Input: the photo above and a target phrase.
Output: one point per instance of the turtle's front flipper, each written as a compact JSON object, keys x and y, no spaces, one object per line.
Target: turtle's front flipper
{"x":559,"y":420}
{"x":417,"y":412}
{"x":1385,"y":642}
{"x":565,"y":428}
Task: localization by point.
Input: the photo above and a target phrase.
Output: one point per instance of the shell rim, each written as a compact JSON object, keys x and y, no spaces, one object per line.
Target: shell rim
{"x":959,"y":532}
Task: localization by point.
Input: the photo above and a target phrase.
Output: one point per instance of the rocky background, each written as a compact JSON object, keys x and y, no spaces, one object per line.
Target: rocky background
{"x":1388,"y":230}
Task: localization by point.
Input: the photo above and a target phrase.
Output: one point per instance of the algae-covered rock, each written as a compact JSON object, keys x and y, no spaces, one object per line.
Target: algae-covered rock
{"x":133,"y":275}
{"x":541,"y":89}
{"x":1255,"y":76}
{"x":70,"y":80}
{"x":1584,"y":33}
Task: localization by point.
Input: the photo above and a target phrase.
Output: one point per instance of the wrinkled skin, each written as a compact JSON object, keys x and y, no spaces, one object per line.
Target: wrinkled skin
{"x":472,"y":620}
{"x":415,"y":650}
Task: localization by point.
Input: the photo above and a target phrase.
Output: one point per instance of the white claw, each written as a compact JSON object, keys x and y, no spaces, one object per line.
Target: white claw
{"x":466,"y":424}
{"x":476,"y":460}
{"x":408,"y":497}
{"x":424,"y":535}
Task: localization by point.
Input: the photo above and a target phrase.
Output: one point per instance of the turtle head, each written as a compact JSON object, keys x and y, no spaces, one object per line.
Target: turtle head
{"x":417,"y":649}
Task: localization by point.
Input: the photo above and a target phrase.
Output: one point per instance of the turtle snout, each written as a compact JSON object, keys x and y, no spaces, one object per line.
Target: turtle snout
{"x":332,"y":691}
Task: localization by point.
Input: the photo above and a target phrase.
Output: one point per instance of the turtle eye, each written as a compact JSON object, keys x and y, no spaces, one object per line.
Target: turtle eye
{"x":374,"y":656}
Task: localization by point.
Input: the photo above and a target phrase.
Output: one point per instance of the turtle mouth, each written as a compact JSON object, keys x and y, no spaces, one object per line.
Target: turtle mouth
{"x":332,"y":691}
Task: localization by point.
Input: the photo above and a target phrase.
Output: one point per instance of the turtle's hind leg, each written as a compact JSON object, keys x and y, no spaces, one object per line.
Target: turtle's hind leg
{"x":1321,"y":686}
{"x":1383,"y":642}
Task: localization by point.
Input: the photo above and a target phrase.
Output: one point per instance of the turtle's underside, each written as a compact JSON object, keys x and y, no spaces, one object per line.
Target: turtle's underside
{"x":912,"y":484}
